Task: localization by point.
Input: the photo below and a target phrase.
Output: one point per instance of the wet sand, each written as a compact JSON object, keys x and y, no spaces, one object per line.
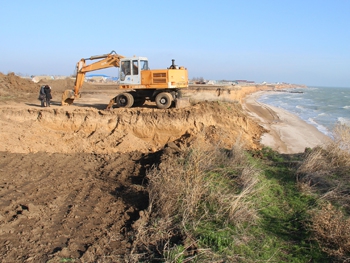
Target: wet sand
{"x":287,"y":133}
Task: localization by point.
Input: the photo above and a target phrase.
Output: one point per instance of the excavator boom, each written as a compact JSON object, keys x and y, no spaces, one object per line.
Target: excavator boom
{"x":107,"y":60}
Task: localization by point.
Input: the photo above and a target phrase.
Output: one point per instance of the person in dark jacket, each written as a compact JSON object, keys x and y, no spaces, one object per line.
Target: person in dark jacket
{"x":48,"y":96}
{"x":42,"y":96}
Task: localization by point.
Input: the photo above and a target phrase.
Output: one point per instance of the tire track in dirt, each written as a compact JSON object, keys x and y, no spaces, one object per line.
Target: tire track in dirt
{"x":57,"y":206}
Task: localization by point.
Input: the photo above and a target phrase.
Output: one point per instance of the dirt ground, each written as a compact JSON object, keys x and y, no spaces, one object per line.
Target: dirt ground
{"x":72,"y":177}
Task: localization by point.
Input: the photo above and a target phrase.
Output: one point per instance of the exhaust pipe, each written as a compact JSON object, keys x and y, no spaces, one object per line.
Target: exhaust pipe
{"x":173,"y":66}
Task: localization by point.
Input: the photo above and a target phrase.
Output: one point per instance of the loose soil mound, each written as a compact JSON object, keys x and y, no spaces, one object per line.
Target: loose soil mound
{"x":123,"y":130}
{"x":72,"y":178}
{"x":15,"y":89}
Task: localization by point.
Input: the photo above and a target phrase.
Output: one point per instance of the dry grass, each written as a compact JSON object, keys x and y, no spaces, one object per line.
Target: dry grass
{"x":203,"y":184}
{"x":327,"y":172}
{"x":334,"y":155}
{"x":332,"y":230}
{"x":327,"y":168}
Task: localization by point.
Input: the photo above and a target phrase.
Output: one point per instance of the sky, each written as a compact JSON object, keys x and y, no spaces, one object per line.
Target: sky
{"x":300,"y":41}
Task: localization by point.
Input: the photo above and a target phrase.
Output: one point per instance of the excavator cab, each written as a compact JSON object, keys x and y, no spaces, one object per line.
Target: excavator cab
{"x":130,"y":70}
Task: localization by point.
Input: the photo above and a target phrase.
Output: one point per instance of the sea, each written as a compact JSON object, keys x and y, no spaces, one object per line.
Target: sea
{"x":323,"y":107}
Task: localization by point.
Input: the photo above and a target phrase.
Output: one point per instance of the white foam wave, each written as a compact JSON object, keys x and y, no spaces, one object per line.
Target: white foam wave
{"x":319,"y":127}
{"x":343,"y":120}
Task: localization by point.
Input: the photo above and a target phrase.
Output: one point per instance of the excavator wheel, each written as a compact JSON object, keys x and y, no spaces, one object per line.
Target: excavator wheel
{"x":124,"y":100}
{"x":164,"y":100}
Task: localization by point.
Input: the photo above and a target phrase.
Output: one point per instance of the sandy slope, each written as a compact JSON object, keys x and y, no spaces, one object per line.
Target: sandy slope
{"x":287,"y":132}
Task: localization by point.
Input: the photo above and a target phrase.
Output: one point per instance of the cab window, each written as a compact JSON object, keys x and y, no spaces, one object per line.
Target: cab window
{"x":135,"y":67}
{"x":144,"y":65}
{"x":126,"y":67}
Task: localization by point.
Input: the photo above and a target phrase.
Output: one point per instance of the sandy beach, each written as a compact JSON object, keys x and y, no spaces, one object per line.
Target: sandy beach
{"x":287,"y":133}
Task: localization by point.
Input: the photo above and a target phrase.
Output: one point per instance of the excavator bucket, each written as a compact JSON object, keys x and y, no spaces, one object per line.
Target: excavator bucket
{"x":68,"y":97}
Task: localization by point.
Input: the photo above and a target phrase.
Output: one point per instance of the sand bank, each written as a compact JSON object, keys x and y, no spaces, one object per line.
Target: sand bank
{"x":287,"y":133}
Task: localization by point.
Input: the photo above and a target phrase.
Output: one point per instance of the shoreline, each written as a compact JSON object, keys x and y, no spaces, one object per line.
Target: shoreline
{"x":287,"y":133}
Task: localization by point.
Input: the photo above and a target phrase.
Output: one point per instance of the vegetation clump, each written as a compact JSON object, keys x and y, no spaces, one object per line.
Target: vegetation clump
{"x":325,"y":171}
{"x":208,"y":204}
{"x":195,"y":201}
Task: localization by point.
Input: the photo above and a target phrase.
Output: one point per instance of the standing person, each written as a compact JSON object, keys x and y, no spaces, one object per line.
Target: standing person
{"x":48,"y":96}
{"x":42,"y":96}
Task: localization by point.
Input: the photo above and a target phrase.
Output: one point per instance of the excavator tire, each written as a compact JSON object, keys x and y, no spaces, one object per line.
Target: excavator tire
{"x":67,"y":97}
{"x":124,"y":100}
{"x":164,"y":100}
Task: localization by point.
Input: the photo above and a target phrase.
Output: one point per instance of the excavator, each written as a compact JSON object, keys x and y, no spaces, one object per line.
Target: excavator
{"x":138,"y":82}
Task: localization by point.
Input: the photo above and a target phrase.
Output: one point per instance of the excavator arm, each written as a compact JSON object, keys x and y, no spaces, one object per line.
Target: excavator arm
{"x":106,"y":61}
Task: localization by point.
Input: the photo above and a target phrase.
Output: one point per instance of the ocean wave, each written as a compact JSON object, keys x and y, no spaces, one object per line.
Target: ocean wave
{"x":319,"y":127}
{"x":319,"y":106}
{"x":343,"y":120}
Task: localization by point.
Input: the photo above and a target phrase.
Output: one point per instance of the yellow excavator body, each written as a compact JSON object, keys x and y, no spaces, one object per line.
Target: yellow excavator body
{"x":139,"y":82}
{"x":160,"y":79}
